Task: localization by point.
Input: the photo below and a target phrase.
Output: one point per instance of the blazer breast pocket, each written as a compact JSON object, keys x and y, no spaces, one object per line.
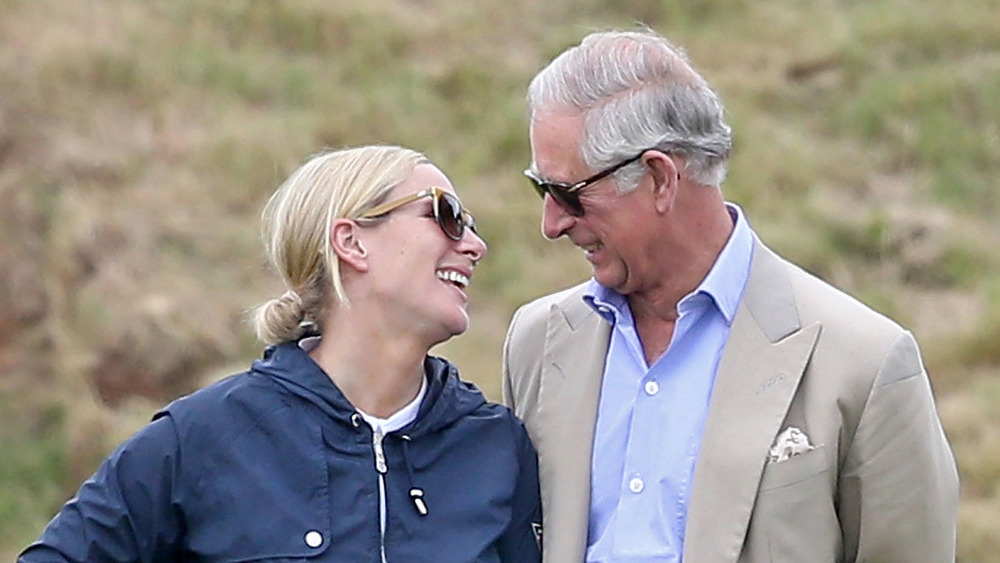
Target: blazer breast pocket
{"x":794,"y":517}
{"x":794,"y":470}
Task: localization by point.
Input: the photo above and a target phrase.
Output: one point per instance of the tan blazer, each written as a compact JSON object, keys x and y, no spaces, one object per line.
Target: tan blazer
{"x":879,"y":486}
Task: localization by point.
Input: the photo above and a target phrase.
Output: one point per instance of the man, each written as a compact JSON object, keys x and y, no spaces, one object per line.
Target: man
{"x":701,"y":399}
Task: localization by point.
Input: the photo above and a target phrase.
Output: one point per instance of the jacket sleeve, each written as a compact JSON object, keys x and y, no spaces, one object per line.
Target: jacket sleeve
{"x":125,"y":511}
{"x":522,"y":541}
{"x":899,"y":487}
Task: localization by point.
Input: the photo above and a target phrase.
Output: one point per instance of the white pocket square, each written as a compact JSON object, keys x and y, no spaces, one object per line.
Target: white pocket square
{"x":790,"y":443}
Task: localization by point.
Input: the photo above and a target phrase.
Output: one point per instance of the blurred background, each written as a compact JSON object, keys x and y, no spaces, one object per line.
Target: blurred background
{"x":140,"y":139}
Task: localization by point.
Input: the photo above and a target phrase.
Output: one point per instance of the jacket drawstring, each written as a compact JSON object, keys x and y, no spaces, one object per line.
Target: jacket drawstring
{"x":416,"y":493}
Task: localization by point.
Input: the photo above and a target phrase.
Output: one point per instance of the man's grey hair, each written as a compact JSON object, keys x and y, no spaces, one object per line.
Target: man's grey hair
{"x":636,"y":91}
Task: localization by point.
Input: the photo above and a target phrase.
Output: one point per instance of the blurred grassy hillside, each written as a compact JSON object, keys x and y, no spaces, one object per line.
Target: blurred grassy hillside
{"x":139,"y":139}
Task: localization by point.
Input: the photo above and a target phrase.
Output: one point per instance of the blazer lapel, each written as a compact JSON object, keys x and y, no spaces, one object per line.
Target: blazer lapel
{"x":573,"y":363}
{"x":758,"y":375}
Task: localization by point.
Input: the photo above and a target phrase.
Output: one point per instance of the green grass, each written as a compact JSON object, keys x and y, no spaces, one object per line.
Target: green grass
{"x":33,"y":469}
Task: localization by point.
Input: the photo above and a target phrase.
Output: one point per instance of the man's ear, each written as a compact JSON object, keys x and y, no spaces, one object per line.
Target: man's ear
{"x":346,"y":242}
{"x":666,"y":179}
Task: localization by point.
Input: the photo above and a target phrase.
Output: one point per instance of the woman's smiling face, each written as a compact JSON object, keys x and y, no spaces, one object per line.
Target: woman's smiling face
{"x":419,"y":274}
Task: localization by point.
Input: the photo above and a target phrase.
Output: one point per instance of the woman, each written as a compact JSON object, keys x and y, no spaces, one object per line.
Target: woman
{"x":347,"y":441}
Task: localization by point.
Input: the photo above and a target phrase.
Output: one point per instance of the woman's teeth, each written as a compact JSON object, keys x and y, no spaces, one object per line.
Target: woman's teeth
{"x":454,"y":277}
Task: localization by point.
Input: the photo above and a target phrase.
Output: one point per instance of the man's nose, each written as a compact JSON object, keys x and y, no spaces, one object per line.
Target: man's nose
{"x":555,"y":220}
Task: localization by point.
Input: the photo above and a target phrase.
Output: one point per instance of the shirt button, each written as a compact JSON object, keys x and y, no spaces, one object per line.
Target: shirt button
{"x":314,"y":539}
{"x":652,"y":387}
{"x":635,"y":485}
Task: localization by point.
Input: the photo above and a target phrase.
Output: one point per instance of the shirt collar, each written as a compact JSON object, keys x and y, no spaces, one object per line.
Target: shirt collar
{"x":724,"y":283}
{"x":400,"y":418}
{"x":728,"y":277}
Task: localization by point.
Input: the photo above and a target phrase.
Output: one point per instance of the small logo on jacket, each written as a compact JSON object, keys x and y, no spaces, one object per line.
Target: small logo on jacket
{"x":536,"y":528}
{"x":769,"y":384}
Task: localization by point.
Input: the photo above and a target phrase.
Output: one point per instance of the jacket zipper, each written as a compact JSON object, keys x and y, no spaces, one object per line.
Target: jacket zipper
{"x":377,"y":438}
{"x":380,"y":466}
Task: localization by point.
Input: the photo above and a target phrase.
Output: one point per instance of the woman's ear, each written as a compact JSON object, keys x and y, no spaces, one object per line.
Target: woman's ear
{"x":346,"y":242}
{"x":666,"y":179}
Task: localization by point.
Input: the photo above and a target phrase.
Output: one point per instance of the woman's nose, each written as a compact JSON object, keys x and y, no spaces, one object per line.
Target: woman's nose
{"x":473,"y":245}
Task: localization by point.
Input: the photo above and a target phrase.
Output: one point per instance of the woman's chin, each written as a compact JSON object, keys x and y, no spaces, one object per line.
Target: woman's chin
{"x":459,"y":324}
{"x":449,"y":330}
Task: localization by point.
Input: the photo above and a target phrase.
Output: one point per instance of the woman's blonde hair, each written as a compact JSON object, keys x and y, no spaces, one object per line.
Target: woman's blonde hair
{"x":296,"y":226}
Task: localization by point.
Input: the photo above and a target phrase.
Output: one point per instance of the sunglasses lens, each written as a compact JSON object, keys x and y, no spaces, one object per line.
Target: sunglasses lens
{"x":449,"y":216}
{"x":568,"y":200}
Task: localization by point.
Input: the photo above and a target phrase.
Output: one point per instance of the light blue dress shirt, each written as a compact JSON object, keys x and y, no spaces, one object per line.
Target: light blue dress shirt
{"x":651,"y":418}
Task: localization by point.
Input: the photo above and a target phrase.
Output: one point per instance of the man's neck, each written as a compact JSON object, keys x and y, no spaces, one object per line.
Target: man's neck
{"x":700,"y":240}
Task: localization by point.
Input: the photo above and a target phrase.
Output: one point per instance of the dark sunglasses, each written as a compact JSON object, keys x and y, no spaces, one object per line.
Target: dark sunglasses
{"x":568,"y":195}
{"x":448,"y":211}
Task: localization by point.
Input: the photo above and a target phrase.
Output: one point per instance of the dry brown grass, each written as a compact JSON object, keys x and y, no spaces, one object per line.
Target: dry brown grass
{"x":138,"y":141}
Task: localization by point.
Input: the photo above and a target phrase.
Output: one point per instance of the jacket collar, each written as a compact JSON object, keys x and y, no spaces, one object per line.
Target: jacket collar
{"x":447,"y":397}
{"x":765,"y":356}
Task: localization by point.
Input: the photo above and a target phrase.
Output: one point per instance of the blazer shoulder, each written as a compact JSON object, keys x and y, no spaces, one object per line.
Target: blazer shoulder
{"x":818,"y":300}
{"x":541,"y":305}
{"x":524,"y":345}
{"x":531,"y":317}
{"x":852,"y":332}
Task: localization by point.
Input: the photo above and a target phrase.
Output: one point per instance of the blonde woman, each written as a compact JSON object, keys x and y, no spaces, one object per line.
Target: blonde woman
{"x":347,"y":441}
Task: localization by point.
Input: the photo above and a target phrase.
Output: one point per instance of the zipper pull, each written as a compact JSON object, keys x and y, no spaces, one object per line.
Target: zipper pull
{"x":379,"y":451}
{"x":417,"y":495}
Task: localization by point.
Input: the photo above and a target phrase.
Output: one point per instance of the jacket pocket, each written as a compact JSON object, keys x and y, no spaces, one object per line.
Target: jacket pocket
{"x":264,"y":497}
{"x":794,"y":470}
{"x":794,"y":517}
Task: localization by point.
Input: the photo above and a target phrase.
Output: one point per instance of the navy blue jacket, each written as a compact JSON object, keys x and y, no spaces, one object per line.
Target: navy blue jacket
{"x":275,"y":464}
